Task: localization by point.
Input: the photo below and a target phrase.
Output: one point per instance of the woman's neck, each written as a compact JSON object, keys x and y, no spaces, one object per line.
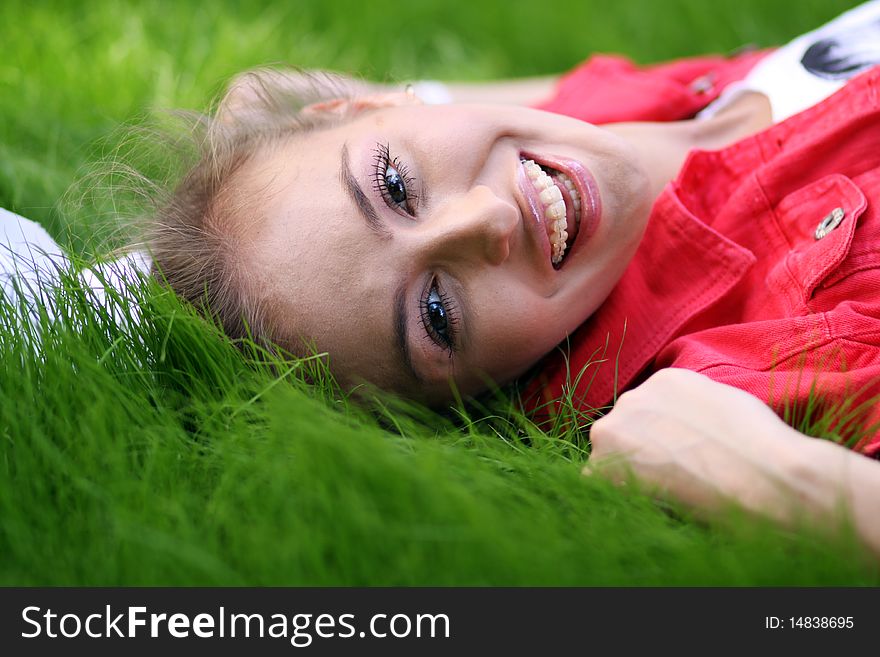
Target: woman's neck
{"x":663,"y":147}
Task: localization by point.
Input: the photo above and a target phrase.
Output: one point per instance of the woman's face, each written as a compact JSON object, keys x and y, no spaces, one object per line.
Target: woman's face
{"x":412,"y":242}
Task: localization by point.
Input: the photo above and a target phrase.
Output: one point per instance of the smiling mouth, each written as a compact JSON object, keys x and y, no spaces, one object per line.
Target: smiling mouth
{"x":561,"y":206}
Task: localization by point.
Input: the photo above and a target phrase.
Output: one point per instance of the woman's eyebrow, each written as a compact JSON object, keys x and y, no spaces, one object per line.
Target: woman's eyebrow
{"x":400,"y":336}
{"x":361,"y":201}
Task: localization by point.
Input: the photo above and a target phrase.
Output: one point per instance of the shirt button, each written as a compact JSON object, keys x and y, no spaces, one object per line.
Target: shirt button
{"x":703,"y":84}
{"x":830,"y":222}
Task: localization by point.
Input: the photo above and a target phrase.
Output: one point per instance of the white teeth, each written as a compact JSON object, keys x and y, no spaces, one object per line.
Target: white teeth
{"x":554,"y":205}
{"x":538,"y":176}
{"x":556,"y":211}
{"x":551,"y":195}
{"x":575,"y":197}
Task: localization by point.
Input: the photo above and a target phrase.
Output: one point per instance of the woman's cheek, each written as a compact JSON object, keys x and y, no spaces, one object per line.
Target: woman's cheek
{"x":521,"y":337}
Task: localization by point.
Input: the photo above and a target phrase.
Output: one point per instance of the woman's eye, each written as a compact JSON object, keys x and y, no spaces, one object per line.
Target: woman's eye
{"x":438,"y":317}
{"x":436,"y":312}
{"x":392,"y":182}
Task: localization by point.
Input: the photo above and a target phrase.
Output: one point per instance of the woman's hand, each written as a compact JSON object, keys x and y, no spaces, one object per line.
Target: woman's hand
{"x":702,"y":442}
{"x":708,"y":444}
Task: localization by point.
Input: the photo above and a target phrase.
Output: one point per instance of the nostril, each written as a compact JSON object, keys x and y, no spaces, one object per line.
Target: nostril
{"x":497,"y":250}
{"x":501,"y":226}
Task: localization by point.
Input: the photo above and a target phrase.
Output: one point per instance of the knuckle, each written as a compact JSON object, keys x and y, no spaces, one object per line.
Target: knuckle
{"x":600,"y":430}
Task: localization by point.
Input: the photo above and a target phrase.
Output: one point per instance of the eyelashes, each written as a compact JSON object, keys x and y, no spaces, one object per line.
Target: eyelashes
{"x":392,"y":181}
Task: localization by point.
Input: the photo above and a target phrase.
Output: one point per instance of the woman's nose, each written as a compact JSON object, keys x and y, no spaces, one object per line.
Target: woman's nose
{"x":475,"y":226}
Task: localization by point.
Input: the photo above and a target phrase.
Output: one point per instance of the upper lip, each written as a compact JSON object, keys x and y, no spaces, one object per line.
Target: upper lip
{"x":533,"y":217}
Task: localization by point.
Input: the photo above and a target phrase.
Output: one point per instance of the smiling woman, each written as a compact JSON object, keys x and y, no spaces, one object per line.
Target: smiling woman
{"x":435,"y":250}
{"x":432,"y":247}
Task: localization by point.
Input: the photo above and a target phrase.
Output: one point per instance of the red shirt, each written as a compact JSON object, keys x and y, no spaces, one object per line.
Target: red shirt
{"x":730,"y":279}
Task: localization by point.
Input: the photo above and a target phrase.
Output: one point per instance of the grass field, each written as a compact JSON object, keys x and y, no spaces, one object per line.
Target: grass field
{"x":166,"y":457}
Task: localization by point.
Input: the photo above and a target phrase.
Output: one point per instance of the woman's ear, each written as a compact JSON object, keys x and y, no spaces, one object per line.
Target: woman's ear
{"x":265,"y":93}
{"x":346,"y":107}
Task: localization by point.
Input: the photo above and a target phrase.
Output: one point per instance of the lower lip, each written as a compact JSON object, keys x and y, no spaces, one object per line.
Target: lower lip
{"x":591,"y":203}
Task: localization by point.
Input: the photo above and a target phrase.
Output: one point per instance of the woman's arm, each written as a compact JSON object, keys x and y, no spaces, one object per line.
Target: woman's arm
{"x":707,"y":444}
{"x":519,"y":91}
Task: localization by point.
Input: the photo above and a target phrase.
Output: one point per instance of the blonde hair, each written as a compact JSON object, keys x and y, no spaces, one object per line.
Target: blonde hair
{"x":194,"y":235}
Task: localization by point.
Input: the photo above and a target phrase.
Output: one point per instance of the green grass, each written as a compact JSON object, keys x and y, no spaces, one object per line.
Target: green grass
{"x":168,"y":457}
